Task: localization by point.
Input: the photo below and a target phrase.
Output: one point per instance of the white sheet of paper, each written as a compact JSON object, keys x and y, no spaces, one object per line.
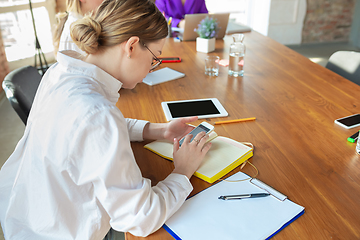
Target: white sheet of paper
{"x":162,"y":75}
{"x":204,"y":216}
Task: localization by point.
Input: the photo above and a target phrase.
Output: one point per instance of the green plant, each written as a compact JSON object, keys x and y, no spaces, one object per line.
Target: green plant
{"x":207,"y":28}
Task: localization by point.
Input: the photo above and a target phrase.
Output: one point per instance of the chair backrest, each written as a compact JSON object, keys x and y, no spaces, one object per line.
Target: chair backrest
{"x":346,"y":64}
{"x":20,"y":87}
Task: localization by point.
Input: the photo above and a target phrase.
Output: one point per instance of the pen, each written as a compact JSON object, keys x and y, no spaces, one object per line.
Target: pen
{"x":236,"y":120}
{"x":169,"y":21}
{"x":353,"y":137}
{"x":244,"y":196}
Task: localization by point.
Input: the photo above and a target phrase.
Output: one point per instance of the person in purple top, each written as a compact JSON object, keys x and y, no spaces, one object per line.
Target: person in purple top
{"x":178,"y":8}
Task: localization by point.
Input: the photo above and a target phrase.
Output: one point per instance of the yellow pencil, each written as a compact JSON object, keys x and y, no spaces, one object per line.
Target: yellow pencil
{"x":236,"y":120}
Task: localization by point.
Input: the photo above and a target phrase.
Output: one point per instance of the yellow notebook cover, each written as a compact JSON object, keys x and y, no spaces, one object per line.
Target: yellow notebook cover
{"x":224,"y":155}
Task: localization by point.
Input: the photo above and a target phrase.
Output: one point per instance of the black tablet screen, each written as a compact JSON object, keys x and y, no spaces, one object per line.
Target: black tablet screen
{"x":196,"y":108}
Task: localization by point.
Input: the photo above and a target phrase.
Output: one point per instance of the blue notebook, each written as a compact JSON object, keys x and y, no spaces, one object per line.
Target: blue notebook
{"x":204,"y":216}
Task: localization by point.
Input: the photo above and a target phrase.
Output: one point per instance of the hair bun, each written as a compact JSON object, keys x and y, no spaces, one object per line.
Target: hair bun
{"x":85,"y":34}
{"x":116,"y":21}
{"x":93,"y":24}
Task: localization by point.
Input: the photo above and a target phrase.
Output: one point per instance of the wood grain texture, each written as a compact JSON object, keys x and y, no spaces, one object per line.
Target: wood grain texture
{"x":298,"y":148}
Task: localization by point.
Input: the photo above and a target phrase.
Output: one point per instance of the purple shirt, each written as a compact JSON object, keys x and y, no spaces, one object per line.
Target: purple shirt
{"x":175,"y":9}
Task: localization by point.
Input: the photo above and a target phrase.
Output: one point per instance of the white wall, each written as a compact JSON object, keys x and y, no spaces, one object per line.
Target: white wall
{"x":287,"y":20}
{"x":281,"y":20}
{"x":258,"y":14}
{"x":236,"y":8}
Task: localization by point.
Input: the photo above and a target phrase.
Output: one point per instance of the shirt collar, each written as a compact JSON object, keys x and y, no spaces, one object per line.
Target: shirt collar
{"x":72,"y":62}
{"x":75,"y":15}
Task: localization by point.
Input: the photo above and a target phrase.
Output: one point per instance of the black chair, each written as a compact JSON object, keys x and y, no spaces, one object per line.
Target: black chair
{"x":346,"y":64}
{"x":20,"y":86}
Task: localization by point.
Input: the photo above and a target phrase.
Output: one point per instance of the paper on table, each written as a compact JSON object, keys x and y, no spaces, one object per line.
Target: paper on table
{"x":176,"y":29}
{"x":204,"y":216}
{"x":162,"y":75}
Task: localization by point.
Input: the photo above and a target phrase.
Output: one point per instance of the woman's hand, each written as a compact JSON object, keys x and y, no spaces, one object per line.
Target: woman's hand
{"x":182,"y":24}
{"x":175,"y":129}
{"x":189,"y":156}
{"x":178,"y":128}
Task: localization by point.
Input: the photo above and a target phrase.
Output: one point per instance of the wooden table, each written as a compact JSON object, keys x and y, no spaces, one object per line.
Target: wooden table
{"x":298,"y":148}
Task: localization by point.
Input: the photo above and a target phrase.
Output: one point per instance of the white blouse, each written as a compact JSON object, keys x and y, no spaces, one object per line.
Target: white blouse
{"x":73,"y":174}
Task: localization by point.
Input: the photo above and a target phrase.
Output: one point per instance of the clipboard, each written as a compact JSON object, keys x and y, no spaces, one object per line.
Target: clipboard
{"x":204,"y":216}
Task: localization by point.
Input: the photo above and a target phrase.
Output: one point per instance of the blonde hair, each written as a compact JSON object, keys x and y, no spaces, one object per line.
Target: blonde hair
{"x":116,"y":21}
{"x":74,"y":6}
{"x":61,"y":18}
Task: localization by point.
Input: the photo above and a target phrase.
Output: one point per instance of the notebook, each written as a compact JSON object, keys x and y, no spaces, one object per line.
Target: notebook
{"x":162,"y":75}
{"x":192,"y":21}
{"x":204,"y":216}
{"x":234,"y":27}
{"x":224,"y":155}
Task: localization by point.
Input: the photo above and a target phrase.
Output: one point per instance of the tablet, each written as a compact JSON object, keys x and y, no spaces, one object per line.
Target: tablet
{"x":203,"y":108}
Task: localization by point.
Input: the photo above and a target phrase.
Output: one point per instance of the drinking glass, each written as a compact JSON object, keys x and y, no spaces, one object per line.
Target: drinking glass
{"x":212,"y":65}
{"x":236,"y":56}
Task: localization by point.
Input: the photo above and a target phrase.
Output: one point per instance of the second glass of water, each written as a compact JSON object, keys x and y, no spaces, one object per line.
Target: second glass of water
{"x":236,"y":57}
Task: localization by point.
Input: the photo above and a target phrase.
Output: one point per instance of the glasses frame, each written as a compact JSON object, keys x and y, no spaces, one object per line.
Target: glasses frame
{"x":157,"y":60}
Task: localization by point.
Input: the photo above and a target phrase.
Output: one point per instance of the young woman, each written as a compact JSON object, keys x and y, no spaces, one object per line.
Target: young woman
{"x":75,"y":9}
{"x":177,"y":9}
{"x":73,"y":174}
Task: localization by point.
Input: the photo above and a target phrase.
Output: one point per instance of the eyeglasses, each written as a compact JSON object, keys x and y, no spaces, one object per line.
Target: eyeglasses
{"x":156,"y":61}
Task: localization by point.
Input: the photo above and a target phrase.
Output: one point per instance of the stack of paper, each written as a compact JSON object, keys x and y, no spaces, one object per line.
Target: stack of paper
{"x":162,"y":75}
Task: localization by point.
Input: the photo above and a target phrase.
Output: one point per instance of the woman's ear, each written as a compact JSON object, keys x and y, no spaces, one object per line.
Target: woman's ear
{"x":130,"y":45}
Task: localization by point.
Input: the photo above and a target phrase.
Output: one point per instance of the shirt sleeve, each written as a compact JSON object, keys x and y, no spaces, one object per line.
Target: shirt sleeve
{"x":175,"y":22}
{"x":108,"y":163}
{"x":203,"y":8}
{"x":136,"y":128}
{"x":161,"y":5}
